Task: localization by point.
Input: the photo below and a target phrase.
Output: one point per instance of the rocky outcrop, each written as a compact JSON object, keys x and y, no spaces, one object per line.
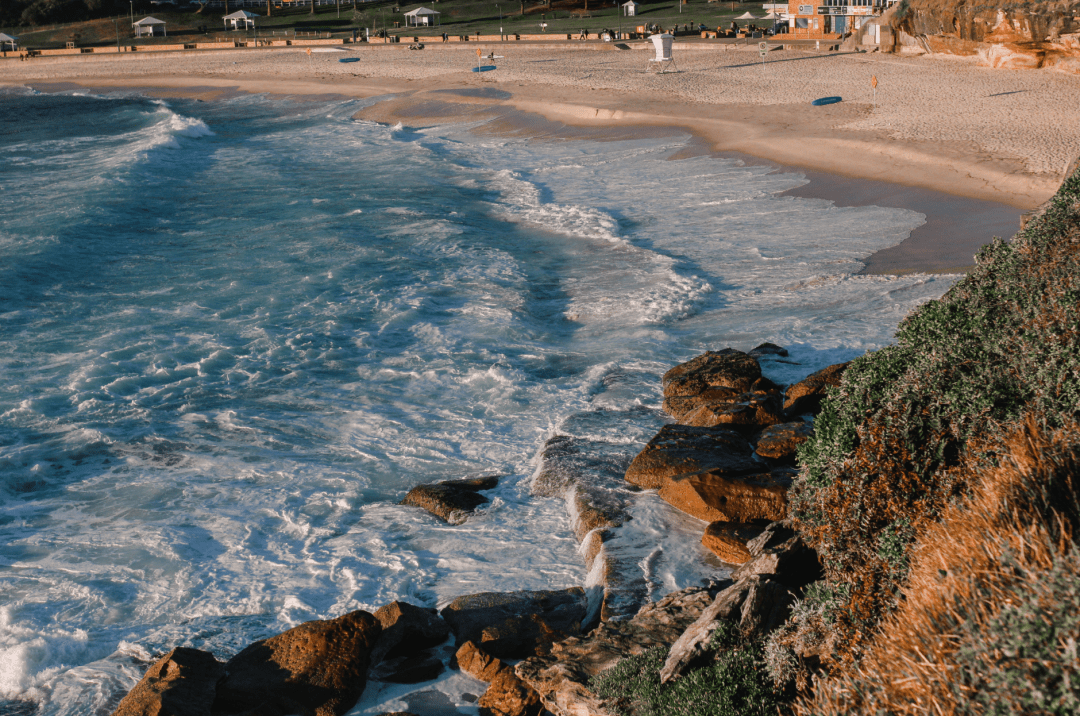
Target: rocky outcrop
{"x":514,"y":625}
{"x":318,"y":668}
{"x":561,"y":677}
{"x":731,"y":498}
{"x":728,"y":541}
{"x":806,"y":395}
{"x":181,"y":683}
{"x":1003,"y":35}
{"x":452,"y":500}
{"x":506,"y":695}
{"x":748,"y":412}
{"x":681,"y":450}
{"x":779,"y":443}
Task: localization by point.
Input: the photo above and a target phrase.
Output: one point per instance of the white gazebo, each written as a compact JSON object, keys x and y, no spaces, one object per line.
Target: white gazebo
{"x":146,"y":27}
{"x":241,"y":19}
{"x":422,"y":16}
{"x":7,"y":42}
{"x":746,"y":16}
{"x":629,"y":8}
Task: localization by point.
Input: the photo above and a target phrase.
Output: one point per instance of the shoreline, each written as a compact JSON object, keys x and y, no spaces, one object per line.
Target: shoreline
{"x":722,"y":97}
{"x":956,"y":225}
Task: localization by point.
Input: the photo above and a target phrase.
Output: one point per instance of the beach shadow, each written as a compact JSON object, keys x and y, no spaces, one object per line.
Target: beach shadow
{"x":1002,"y":94}
{"x":790,"y":59}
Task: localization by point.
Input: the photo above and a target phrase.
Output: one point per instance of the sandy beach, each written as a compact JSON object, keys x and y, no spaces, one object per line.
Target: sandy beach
{"x":994,"y":137}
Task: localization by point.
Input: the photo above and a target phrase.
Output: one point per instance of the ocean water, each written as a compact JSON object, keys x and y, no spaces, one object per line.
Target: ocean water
{"x":233,"y":334}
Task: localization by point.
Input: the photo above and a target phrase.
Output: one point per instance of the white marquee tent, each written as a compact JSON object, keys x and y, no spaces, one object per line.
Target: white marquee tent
{"x":630,"y":8}
{"x":7,"y":42}
{"x":422,"y":16}
{"x":146,"y":27}
{"x":241,"y":19}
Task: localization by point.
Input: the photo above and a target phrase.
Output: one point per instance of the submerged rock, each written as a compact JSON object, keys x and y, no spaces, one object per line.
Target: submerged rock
{"x":682,"y":449}
{"x":513,"y":625}
{"x":319,"y":667}
{"x":181,"y":683}
{"x":805,"y":396}
{"x":561,"y":677}
{"x":768,"y":349}
{"x":452,"y":500}
{"x":743,"y":498}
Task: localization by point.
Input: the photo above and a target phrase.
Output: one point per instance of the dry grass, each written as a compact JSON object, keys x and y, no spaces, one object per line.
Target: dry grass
{"x":939,"y":652}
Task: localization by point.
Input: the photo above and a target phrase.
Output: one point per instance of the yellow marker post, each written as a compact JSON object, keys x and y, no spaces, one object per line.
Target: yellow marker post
{"x":873,"y":83}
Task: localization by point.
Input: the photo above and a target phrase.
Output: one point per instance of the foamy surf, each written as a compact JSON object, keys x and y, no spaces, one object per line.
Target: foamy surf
{"x":215,"y":390}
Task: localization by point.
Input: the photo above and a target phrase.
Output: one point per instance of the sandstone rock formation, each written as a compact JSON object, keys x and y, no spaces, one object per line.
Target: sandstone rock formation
{"x":748,"y":411}
{"x":507,"y":695}
{"x":318,"y":668}
{"x":681,"y":450}
{"x":728,"y":541}
{"x":477,"y":663}
{"x":713,"y":376}
{"x":514,"y":625}
{"x":731,"y":498}
{"x":780,"y":442}
{"x":806,"y":395}
{"x":181,"y":683}
{"x":1001,"y":35}
{"x":561,"y":677}
{"x":451,"y":500}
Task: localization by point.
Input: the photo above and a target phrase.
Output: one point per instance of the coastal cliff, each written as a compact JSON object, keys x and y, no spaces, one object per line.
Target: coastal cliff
{"x":1026,"y":35}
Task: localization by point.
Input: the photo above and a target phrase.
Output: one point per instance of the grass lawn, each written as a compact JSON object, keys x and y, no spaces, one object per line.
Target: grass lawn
{"x":458,"y":17}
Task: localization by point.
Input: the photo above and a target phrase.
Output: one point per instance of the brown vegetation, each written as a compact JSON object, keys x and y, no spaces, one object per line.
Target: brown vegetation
{"x":968,"y":569}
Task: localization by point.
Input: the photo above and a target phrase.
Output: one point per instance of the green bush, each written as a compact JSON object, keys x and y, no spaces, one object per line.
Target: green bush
{"x":888,"y":446}
{"x":735,"y":682}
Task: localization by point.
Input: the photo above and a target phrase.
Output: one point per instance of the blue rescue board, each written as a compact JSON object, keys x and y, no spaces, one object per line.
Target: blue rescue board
{"x":826,"y":100}
{"x":485,"y":68}
{"x":349,"y":59}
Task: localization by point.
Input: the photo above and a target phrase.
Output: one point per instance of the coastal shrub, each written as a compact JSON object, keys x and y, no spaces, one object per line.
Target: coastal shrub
{"x":898,"y":441}
{"x":735,"y":682}
{"x":990,"y":619}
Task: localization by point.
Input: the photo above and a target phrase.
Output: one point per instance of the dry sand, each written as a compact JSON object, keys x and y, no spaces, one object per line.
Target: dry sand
{"x":939,"y":123}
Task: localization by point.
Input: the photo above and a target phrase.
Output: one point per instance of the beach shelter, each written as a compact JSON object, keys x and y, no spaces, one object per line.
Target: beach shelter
{"x":629,"y":8}
{"x":7,"y":42}
{"x":422,"y":16}
{"x":146,"y":26}
{"x":241,"y":19}
{"x":746,"y":17}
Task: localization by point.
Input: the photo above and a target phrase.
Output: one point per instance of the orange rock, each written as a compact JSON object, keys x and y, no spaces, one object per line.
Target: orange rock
{"x":806,"y":395}
{"x":731,"y":498}
{"x":750,"y":411}
{"x":477,"y":663}
{"x":510,"y":696}
{"x":319,"y":667}
{"x":728,"y":541}
{"x":681,"y":449}
{"x":727,"y":368}
{"x":181,"y":683}
{"x":780,"y":442}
